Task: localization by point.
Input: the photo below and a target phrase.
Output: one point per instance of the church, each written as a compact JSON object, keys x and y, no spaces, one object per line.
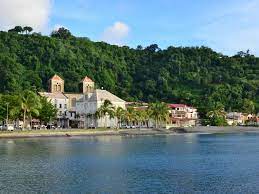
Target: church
{"x":74,"y":108}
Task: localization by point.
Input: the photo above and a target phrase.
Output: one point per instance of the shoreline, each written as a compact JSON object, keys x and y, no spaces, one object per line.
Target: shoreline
{"x":131,"y":132}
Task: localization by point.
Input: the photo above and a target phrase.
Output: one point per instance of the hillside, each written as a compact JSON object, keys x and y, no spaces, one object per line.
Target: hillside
{"x":197,"y":75}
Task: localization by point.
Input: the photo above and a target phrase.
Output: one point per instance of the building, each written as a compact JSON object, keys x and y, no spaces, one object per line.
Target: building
{"x":235,"y":118}
{"x":181,"y":115}
{"x":88,"y":105}
{"x":74,"y":108}
{"x":66,"y":102}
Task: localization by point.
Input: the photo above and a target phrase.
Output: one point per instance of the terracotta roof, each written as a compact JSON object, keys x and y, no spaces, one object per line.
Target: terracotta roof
{"x":86,"y":79}
{"x":56,"y":77}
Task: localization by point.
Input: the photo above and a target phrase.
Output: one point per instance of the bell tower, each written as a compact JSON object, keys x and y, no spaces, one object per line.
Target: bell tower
{"x":56,"y":84}
{"x":87,"y":85}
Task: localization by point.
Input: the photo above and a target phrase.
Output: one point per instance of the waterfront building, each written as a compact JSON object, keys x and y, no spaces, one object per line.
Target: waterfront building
{"x":181,"y":115}
{"x":235,"y":118}
{"x":74,"y":108}
{"x":91,"y":101}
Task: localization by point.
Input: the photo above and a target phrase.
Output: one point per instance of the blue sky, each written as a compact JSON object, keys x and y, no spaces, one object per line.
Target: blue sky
{"x":227,"y":26}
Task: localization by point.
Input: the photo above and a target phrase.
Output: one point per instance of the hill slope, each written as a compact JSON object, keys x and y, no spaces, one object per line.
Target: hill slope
{"x":197,"y":76}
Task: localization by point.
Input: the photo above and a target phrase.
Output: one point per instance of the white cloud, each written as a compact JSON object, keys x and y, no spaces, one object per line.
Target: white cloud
{"x":233,"y":29}
{"x":116,"y":33}
{"x":34,"y":13}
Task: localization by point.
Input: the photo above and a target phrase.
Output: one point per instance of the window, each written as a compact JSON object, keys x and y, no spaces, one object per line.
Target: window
{"x":71,"y":114}
{"x":60,"y":113}
{"x":73,"y":102}
{"x":65,"y":106}
{"x":60,"y":105}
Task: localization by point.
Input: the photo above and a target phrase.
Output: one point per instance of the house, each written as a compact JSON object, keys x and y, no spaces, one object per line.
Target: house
{"x":235,"y":118}
{"x":181,"y":115}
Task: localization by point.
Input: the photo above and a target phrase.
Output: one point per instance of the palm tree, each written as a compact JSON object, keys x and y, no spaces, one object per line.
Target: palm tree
{"x":119,"y":114}
{"x":106,"y":109}
{"x":159,"y":112}
{"x":30,"y":105}
{"x":130,"y":115}
{"x":141,"y":117}
{"x":219,"y":111}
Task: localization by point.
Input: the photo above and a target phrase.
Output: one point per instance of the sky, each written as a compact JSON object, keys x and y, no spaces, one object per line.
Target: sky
{"x":227,"y":26}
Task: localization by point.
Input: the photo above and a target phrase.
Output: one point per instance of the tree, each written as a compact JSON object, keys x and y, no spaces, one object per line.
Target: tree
{"x":48,"y":112}
{"x":217,"y":116}
{"x":130,"y":116}
{"x":159,"y":112}
{"x":18,"y":29}
{"x":27,"y":29}
{"x":249,"y":106}
{"x":119,"y":114}
{"x":61,"y":33}
{"x":30,"y":105}
{"x":106,"y":109}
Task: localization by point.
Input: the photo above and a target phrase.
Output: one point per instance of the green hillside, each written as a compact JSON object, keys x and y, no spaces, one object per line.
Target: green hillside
{"x":194,"y":75}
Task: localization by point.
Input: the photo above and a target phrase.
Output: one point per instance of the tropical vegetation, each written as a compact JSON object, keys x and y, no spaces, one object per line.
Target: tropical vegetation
{"x":197,"y":76}
{"x":134,"y":116}
{"x":26,"y":106}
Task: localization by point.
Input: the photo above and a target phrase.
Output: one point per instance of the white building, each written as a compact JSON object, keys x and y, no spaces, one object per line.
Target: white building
{"x":74,"y":110}
{"x":182,"y":115}
{"x":88,"y":105}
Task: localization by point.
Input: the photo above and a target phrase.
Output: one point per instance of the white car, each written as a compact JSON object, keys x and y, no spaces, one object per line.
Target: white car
{"x":9,"y":127}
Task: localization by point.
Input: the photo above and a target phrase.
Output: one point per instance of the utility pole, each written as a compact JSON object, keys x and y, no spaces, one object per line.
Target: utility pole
{"x":7,"y":114}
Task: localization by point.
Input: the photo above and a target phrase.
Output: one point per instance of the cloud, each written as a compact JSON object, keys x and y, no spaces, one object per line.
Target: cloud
{"x":34,"y":13}
{"x":116,"y":34}
{"x":235,"y":28}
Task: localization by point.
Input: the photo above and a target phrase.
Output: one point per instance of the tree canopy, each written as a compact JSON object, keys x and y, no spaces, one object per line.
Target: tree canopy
{"x":196,"y":76}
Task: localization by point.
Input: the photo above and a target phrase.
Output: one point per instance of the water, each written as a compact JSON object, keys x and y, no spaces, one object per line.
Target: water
{"x":153,"y":164}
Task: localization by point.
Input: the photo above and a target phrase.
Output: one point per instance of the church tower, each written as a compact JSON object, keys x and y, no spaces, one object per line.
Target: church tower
{"x":87,"y":85}
{"x":56,"y":84}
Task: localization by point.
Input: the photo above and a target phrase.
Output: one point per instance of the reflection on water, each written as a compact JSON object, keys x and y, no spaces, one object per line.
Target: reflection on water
{"x":181,"y":163}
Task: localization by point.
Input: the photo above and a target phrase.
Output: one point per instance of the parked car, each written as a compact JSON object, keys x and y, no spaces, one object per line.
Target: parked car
{"x":43,"y":127}
{"x":123,"y":126}
{"x":92,"y":126}
{"x":8,"y":127}
{"x":51,"y":127}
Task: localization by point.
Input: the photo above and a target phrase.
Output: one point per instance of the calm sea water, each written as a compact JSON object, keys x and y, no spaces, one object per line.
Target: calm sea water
{"x":155,"y":164}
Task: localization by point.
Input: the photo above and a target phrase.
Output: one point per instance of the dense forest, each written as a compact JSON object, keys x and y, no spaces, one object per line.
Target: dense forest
{"x":196,"y":76}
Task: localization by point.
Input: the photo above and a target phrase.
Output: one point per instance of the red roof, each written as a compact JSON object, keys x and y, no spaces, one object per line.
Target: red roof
{"x":87,"y":79}
{"x":177,"y":105}
{"x":56,"y":77}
